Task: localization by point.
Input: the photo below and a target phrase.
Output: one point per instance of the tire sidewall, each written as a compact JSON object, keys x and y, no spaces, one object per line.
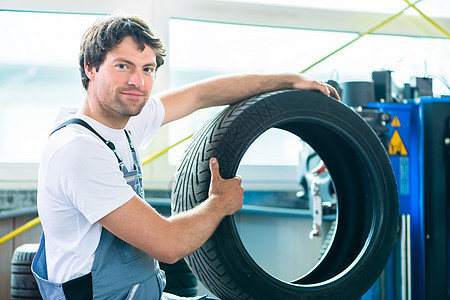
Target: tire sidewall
{"x":273,"y":110}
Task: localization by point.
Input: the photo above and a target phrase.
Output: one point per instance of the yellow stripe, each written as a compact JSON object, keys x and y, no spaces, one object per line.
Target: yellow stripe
{"x":428,"y":19}
{"x":361,"y":35}
{"x":152,"y":157}
{"x":20,"y":230}
{"x":37,"y":221}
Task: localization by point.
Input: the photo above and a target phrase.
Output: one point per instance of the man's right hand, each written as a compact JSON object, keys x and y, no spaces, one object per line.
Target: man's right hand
{"x":226,"y":193}
{"x":170,"y":239}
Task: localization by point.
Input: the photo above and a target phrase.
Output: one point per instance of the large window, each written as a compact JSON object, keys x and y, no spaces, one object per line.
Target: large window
{"x":202,"y":49}
{"x":38,"y":74}
{"x":39,"y":60}
{"x":434,"y":8}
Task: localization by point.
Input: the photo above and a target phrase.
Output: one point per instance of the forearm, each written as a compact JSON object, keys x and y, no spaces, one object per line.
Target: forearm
{"x":189,"y":230}
{"x":224,"y":90}
{"x":229,"y":89}
{"x":192,"y":228}
{"x":169,"y":239}
{"x":165,"y":239}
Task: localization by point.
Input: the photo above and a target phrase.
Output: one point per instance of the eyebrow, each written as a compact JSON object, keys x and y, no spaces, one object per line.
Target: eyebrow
{"x":152,"y":64}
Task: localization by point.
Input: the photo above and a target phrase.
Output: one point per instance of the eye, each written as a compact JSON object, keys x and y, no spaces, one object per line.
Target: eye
{"x":122,"y":67}
{"x":149,"y":70}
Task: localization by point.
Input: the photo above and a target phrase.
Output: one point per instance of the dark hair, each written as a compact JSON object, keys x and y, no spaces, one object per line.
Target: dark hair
{"x":107,"y":33}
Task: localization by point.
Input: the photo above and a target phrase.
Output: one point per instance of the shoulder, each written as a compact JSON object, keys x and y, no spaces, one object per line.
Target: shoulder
{"x":73,"y":149}
{"x":83,"y":170}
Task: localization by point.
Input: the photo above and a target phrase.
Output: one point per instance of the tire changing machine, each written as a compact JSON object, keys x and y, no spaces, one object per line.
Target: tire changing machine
{"x":418,"y":142}
{"x":419,"y":149}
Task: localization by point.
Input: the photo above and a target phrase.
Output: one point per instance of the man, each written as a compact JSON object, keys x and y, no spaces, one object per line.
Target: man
{"x":100,"y":238}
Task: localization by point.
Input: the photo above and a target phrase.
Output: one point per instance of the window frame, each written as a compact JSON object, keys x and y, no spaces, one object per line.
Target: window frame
{"x":158,"y":173}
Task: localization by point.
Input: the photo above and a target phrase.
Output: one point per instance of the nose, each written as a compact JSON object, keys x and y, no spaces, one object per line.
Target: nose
{"x":136,"y":79}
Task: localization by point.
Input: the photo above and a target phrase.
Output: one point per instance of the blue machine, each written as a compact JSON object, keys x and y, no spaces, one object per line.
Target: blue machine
{"x":419,"y":148}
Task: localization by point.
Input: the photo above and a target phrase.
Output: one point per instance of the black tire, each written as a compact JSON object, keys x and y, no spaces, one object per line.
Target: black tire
{"x":23,"y":283}
{"x":180,"y":279}
{"x":367,"y":216}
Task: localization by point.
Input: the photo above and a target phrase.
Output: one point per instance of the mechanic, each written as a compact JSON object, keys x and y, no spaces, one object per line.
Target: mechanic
{"x":100,"y":239}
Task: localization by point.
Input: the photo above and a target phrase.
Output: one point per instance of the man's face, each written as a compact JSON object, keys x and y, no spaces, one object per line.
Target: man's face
{"x":123,"y":83}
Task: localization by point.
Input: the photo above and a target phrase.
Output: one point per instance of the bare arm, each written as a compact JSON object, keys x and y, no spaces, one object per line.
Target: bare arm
{"x":223,"y":90}
{"x":170,"y":239}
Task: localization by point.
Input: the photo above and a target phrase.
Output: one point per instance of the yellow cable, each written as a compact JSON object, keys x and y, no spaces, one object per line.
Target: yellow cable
{"x":361,"y":35}
{"x":428,"y":19}
{"x":152,"y":157}
{"x":36,"y":221}
{"x":20,"y":230}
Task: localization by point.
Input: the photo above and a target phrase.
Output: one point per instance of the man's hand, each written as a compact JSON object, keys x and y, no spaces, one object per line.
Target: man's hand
{"x":170,"y":239}
{"x":226,"y":193}
{"x":304,"y":82}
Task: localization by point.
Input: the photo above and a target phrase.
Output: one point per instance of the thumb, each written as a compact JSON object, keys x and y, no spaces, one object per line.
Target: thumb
{"x":214,"y":166}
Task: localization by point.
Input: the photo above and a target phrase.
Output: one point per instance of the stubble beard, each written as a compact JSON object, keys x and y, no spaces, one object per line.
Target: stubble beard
{"x":124,"y":109}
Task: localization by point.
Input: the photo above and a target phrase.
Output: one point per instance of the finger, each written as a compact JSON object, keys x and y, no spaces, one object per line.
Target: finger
{"x":333,"y":92}
{"x":214,"y":166}
{"x":328,"y":90}
{"x":238,"y":177}
{"x":321,"y":87}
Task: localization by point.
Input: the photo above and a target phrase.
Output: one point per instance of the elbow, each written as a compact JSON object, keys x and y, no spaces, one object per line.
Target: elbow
{"x":170,"y":260}
{"x":170,"y":245}
{"x":170,"y":255}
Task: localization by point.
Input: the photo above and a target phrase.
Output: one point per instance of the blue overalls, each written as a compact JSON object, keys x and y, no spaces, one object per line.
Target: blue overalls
{"x":119,"y":270}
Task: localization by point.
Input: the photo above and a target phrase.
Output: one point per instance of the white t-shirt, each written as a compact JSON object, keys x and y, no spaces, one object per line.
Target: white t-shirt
{"x":80,"y":183}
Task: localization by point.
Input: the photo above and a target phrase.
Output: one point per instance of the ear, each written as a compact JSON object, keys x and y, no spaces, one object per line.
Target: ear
{"x":89,"y":71}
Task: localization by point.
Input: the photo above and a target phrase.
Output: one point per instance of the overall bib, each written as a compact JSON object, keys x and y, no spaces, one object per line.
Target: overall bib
{"x":119,"y":270}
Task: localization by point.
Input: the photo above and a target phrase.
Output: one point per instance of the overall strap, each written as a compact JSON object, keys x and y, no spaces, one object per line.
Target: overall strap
{"x":133,"y":151}
{"x":89,"y":127}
